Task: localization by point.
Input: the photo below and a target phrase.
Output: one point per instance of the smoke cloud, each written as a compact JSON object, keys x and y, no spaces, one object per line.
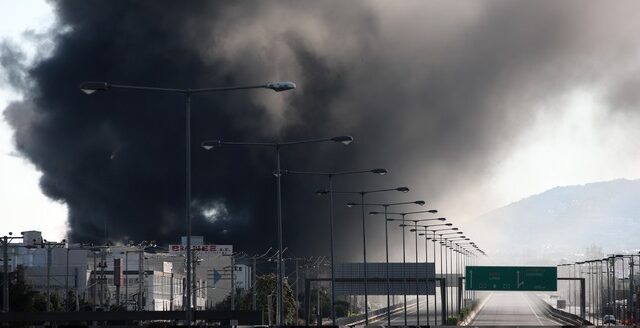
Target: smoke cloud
{"x":433,"y":91}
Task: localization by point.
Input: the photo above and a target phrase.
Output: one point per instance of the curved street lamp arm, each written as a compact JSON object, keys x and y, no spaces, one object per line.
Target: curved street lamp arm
{"x":423,"y":220}
{"x":325,"y":173}
{"x":409,"y":213}
{"x":138,"y":87}
{"x":388,"y":204}
{"x":244,"y":87}
{"x":92,"y":86}
{"x":342,"y":139}
{"x":210,"y":144}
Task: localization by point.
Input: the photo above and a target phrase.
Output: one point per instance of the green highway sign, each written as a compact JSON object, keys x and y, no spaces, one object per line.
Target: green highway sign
{"x":542,"y":279}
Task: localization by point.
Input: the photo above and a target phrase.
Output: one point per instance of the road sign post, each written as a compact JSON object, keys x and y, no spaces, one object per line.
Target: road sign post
{"x":504,"y":278}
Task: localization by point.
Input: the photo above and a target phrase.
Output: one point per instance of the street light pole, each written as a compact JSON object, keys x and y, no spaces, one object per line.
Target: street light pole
{"x":441,"y":260}
{"x":433,"y":239}
{"x":210,"y":144}
{"x":91,"y":87}
{"x":415,"y":223}
{"x":330,"y":176}
{"x":426,"y":262}
{"x":386,"y":242}
{"x":364,"y":237}
{"x":404,"y":256}
{"x":426,"y":251}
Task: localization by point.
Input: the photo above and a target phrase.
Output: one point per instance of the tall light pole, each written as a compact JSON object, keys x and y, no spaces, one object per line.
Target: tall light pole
{"x":424,"y":229}
{"x":415,"y":230}
{"x":442,"y":257}
{"x":330,"y":176}
{"x":449,"y":267}
{"x":404,"y":256}
{"x":364,"y":236}
{"x":91,"y":87}
{"x":277,"y":146}
{"x":451,"y":260}
{"x":386,"y":243}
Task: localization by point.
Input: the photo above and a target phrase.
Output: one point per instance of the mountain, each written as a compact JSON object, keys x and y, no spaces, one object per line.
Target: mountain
{"x":564,"y":222}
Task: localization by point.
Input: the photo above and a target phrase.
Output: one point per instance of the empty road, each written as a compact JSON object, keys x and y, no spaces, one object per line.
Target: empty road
{"x":510,"y":309}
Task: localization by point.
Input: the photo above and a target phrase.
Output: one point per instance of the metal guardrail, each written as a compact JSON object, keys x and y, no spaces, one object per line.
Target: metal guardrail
{"x":559,"y":315}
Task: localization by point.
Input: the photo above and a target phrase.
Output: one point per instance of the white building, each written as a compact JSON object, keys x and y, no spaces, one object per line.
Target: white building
{"x":89,"y":272}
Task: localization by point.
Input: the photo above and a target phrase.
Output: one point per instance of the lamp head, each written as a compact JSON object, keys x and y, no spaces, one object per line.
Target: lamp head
{"x":454,"y":228}
{"x":374,"y":213}
{"x":419,"y":202}
{"x":449,"y":224}
{"x":210,"y":144}
{"x":380,"y":171}
{"x":432,"y":211}
{"x":91,"y":87}
{"x":345,"y":140}
{"x":403,"y":189}
{"x":280,"y":86}
{"x":321,"y":192}
{"x":442,"y":219}
{"x":351,"y":204}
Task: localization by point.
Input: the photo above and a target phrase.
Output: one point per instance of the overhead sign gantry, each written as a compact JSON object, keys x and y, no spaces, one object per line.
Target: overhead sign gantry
{"x":506,"y":278}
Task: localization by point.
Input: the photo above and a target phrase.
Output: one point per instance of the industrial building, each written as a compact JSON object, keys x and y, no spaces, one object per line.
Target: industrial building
{"x":142,"y":276}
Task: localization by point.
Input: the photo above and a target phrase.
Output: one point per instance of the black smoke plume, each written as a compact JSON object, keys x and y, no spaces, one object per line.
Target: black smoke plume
{"x":432,"y":91}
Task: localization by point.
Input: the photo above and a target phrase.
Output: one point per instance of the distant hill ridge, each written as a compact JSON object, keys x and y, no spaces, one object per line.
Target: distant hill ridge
{"x":606,"y":214}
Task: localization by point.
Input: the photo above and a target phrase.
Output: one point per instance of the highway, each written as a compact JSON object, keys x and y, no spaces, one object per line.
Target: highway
{"x":510,"y":309}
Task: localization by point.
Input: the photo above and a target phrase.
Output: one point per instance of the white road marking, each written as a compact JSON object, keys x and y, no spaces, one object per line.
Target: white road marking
{"x":486,"y":300}
{"x":531,"y":308}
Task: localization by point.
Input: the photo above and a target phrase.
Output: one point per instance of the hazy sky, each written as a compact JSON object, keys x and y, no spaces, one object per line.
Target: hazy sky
{"x":477,"y":104}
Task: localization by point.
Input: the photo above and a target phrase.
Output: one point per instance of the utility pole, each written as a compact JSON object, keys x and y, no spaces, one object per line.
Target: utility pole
{"x":297,"y":291}
{"x":126,"y":280}
{"x":103,"y":278}
{"x":254,"y":284}
{"x":233,"y":284}
{"x":48,"y":279}
{"x":5,"y":274}
{"x":95,"y":282}
{"x":66,"y":283}
{"x":6,"y":280}
{"x":140,"y":277}
{"x":192,"y":264}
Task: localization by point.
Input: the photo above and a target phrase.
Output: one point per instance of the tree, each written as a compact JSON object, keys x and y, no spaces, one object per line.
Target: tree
{"x":342,"y":309}
{"x":23,"y":298}
{"x":21,"y":294}
{"x":266,"y":287}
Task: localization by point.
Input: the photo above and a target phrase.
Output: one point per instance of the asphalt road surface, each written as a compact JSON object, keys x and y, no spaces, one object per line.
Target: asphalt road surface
{"x":510,"y":309}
